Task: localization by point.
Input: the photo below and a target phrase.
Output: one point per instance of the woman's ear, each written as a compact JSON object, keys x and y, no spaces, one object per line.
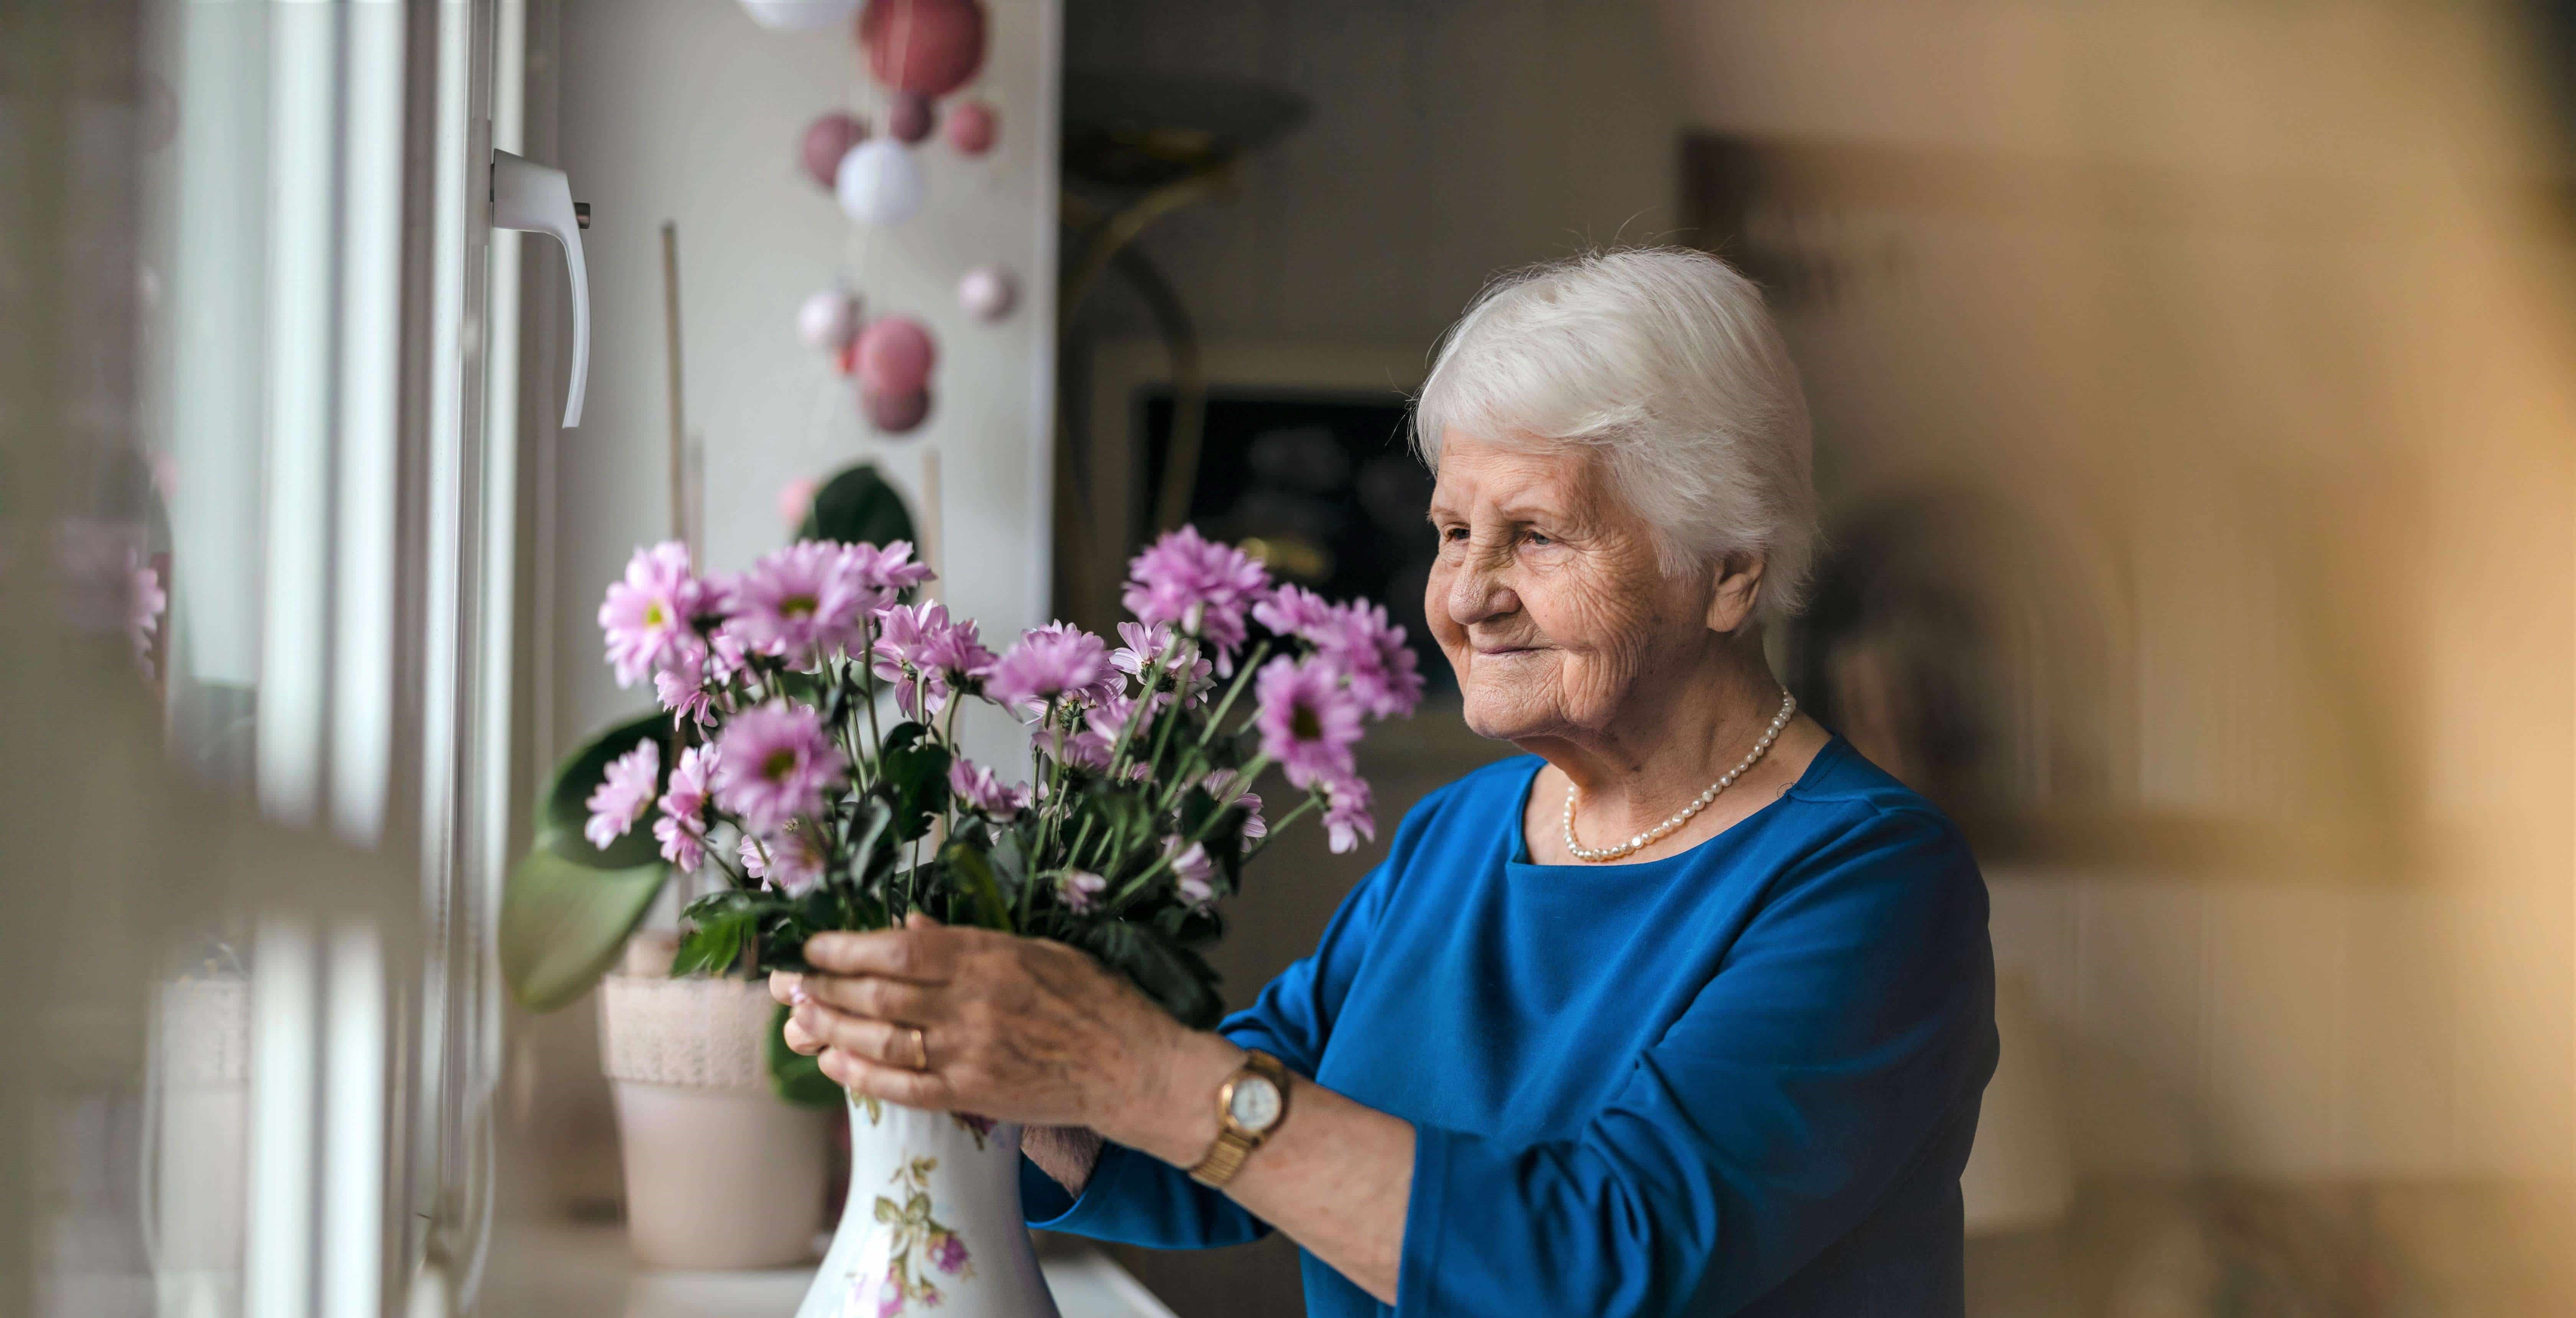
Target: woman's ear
{"x":1739,"y":589}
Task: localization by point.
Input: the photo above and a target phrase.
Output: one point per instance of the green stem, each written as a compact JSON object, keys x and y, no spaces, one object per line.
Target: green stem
{"x":1242,"y":677}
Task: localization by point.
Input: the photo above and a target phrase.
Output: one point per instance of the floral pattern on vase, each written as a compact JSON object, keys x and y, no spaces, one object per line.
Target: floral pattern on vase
{"x":932,"y":1224}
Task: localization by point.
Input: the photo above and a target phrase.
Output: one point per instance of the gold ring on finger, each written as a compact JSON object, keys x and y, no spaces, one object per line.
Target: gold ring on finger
{"x":920,"y":1050}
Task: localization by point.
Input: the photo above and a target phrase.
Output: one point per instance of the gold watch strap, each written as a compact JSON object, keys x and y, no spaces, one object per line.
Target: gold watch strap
{"x":1234,"y":1144}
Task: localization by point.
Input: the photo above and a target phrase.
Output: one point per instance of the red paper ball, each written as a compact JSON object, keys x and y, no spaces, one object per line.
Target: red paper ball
{"x":827,"y":140}
{"x":926,"y":46}
{"x":895,"y":356}
{"x":908,"y":117}
{"x":972,"y":127}
{"x":898,"y":413}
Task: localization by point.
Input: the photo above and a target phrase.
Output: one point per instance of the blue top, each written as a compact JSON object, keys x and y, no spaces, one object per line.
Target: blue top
{"x":1742,"y":1079}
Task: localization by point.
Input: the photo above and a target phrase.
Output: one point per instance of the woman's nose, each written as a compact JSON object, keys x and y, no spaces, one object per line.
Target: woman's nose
{"x":1477,"y":593}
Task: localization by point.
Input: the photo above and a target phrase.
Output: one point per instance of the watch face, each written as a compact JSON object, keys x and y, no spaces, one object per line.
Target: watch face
{"x":1256,"y":1103}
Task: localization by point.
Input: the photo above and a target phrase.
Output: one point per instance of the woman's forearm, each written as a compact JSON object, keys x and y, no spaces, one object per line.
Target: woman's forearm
{"x":1335,"y":1176}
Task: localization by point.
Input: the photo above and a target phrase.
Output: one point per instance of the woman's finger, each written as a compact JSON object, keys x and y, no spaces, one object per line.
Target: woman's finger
{"x":786,"y":987}
{"x":799,"y":1040}
{"x":877,"y":1041}
{"x":921,"y":1089}
{"x":880,"y":999}
{"x":923,"y":954}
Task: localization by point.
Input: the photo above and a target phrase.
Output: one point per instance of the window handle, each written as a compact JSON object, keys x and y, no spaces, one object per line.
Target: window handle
{"x":532,"y":198}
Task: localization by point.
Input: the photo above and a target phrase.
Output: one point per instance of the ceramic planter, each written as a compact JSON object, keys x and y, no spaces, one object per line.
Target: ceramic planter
{"x":720,"y":1173}
{"x":933,"y":1223}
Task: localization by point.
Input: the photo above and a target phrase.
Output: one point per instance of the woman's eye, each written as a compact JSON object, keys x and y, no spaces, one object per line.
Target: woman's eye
{"x":1454,"y":534}
{"x":1539,"y":538}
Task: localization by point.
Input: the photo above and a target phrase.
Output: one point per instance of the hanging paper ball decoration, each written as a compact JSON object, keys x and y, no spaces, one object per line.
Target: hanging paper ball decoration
{"x":799,"y":15}
{"x":972,"y":127}
{"x":908,"y":117}
{"x":827,"y":139}
{"x":828,"y":320}
{"x":796,"y":498}
{"x":926,"y":46}
{"x":988,"y":292}
{"x":895,"y":414}
{"x":895,"y":356}
{"x":879,"y":182}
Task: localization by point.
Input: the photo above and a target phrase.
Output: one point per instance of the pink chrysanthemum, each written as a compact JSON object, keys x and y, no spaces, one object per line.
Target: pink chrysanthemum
{"x":883,"y":572}
{"x":1079,"y":745}
{"x":649,"y":617}
{"x":1079,"y":890}
{"x":1309,"y":721}
{"x":927,"y":655}
{"x":1293,"y":610}
{"x":144,"y":606}
{"x":1226,"y":787}
{"x":682,"y":829}
{"x":1372,"y":656}
{"x":975,"y":785}
{"x":1346,"y":813}
{"x":787,"y":860}
{"x":1146,"y":645}
{"x":1201,"y":587}
{"x":1192,"y":871}
{"x":624,"y":794}
{"x":774,"y":763}
{"x":1050,"y":663}
{"x":799,"y":603}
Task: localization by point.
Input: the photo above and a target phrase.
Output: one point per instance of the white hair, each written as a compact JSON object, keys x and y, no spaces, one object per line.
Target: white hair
{"x":1666,"y":362}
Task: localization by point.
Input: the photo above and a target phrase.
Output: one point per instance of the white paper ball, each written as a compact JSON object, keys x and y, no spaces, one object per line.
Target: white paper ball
{"x":828,"y":320}
{"x":799,"y":15}
{"x":988,"y":292}
{"x":879,"y":182}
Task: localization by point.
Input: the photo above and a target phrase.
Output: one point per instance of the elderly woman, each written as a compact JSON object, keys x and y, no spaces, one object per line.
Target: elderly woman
{"x":1685,"y":1012}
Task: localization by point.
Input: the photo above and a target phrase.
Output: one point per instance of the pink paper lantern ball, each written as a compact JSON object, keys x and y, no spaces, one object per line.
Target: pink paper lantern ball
{"x":972,"y":126}
{"x":895,"y":356}
{"x":896,"y":413}
{"x":988,"y":292}
{"x":827,"y":139}
{"x":795,"y":499}
{"x":909,"y":117}
{"x":926,"y":46}
{"x":828,"y":320}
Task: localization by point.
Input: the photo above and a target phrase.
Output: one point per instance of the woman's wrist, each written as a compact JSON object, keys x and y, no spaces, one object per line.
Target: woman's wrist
{"x":1172,"y":1113}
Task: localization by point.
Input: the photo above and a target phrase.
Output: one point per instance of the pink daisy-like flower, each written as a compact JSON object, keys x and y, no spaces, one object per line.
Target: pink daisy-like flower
{"x":681,"y":686}
{"x":649,"y":617}
{"x":926,"y":654}
{"x":1201,"y":587}
{"x":1192,"y":870}
{"x":975,"y":785}
{"x":1050,"y":663}
{"x":682,"y":829}
{"x":1079,"y":890}
{"x":1309,"y":721}
{"x":774,"y":763}
{"x":1346,"y":813}
{"x":1146,"y":645}
{"x":624,"y":794}
{"x":1293,"y":610}
{"x":144,"y":605}
{"x":883,"y":572}
{"x":787,"y":860}
{"x":798,"y":603}
{"x":1222,"y":784}
{"x":1371,"y":654}
{"x":1079,"y":746}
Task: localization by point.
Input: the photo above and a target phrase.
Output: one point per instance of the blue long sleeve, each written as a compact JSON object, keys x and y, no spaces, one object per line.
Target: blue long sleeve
{"x":1741,"y":1080}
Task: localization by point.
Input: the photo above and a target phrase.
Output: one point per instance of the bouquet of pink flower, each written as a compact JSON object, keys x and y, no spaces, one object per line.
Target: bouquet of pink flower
{"x":811,"y":754}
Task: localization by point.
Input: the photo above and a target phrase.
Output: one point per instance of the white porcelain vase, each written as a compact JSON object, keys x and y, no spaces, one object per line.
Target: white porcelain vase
{"x":933,"y":1227}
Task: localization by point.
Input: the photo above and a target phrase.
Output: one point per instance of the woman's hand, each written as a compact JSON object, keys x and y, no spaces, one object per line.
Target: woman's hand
{"x":1016,"y":1029}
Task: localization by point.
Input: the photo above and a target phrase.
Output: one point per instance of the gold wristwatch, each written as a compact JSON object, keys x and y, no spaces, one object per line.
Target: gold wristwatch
{"x":1248,"y":1108}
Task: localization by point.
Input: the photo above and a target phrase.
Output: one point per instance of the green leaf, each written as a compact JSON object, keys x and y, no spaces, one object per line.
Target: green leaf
{"x":917,"y":777}
{"x":563,"y":923}
{"x":797,"y":1078}
{"x":858,"y":507}
{"x":889,"y":1212}
{"x":567,"y":803}
{"x":975,"y":876}
{"x":713,"y":943}
{"x":1174,"y":977}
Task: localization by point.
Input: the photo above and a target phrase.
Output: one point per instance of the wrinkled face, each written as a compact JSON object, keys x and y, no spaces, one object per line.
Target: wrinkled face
{"x":1548,"y":595}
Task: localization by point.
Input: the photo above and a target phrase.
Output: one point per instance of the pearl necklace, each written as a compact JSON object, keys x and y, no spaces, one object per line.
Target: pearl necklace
{"x":1788,"y":708}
